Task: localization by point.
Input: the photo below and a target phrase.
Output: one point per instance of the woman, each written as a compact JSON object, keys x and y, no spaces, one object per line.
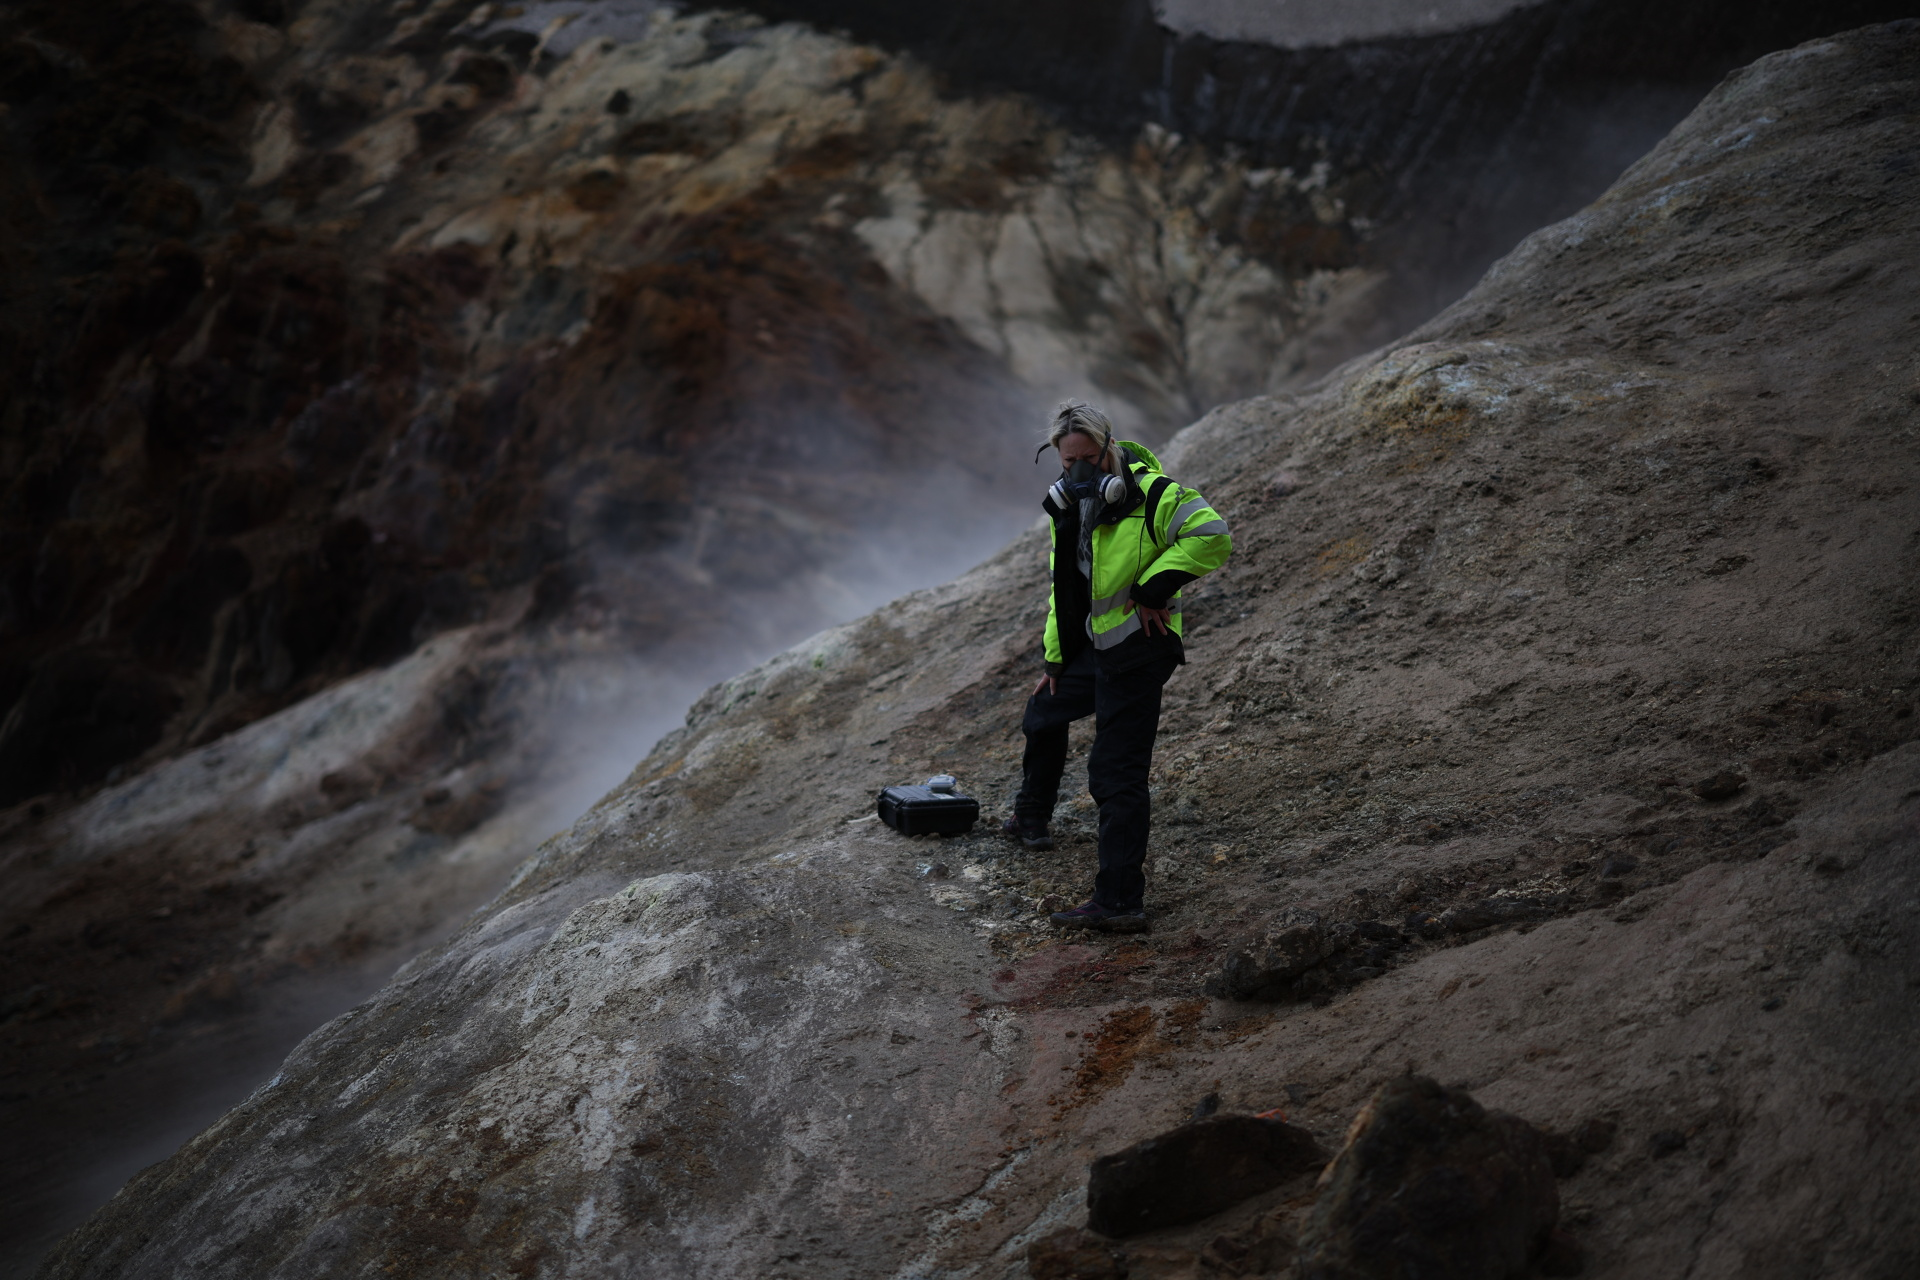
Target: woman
{"x":1126,"y":539}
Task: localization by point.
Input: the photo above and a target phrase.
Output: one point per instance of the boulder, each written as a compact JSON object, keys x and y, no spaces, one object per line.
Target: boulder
{"x":1433,"y":1186}
{"x":1195,"y":1171}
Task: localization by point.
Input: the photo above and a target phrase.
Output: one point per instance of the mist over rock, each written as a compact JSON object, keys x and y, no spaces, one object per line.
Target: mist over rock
{"x":1637,"y":511}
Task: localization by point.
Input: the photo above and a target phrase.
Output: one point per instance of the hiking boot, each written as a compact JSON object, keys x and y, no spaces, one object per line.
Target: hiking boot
{"x":1091,"y":915}
{"x":1030,"y":832}
{"x":1088,"y":915}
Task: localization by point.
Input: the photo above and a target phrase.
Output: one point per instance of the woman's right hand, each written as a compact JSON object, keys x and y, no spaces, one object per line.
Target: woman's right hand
{"x":1046,"y":685}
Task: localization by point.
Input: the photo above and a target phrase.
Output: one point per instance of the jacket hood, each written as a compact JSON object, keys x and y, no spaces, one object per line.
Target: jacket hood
{"x":1141,"y":452}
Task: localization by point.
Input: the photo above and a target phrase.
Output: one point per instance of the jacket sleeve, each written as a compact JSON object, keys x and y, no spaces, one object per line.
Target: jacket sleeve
{"x":1056,"y":658}
{"x":1196,"y":540}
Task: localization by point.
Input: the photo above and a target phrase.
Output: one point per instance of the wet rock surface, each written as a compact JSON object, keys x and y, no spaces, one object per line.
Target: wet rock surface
{"x":1533,"y":568}
{"x":1431,"y":1184}
{"x":1195,"y":1171}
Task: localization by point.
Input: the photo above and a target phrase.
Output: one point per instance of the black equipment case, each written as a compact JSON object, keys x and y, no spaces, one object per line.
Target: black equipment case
{"x":921,"y":811}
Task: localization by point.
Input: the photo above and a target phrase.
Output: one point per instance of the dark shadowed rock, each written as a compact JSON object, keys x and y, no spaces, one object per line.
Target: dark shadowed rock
{"x":1665,"y":1142}
{"x":1073,"y":1254}
{"x":1565,"y":1153}
{"x":1562,"y":1256}
{"x":1195,"y":1171}
{"x":1720,"y":786}
{"x":1281,"y":965}
{"x":1431,"y":1185}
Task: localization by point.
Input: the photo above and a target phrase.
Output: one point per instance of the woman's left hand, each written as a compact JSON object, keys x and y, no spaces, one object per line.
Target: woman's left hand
{"x":1150,"y":617}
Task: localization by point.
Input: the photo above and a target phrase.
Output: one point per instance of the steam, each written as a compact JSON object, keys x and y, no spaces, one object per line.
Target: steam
{"x":924,"y":524}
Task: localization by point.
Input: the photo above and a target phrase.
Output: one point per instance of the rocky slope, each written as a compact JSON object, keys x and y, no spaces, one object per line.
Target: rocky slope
{"x":616,"y":347}
{"x":1568,"y":653}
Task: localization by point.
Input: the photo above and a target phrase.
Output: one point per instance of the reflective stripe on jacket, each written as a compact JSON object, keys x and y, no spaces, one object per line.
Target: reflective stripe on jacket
{"x":1187,"y":539}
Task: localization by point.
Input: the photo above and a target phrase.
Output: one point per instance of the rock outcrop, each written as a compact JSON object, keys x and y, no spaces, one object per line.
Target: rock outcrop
{"x":1431,"y":1184}
{"x":1637,"y":511}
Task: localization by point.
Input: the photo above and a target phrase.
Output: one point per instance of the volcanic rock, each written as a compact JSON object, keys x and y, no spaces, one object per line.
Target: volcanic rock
{"x":1276,"y":968}
{"x":1195,"y":1171}
{"x":527,"y":324}
{"x":1431,"y":1185}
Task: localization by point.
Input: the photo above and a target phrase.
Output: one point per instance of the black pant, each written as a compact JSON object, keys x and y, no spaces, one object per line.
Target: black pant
{"x":1126,"y":712}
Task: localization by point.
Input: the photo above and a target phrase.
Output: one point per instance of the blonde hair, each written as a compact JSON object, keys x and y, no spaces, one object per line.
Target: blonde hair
{"x":1078,"y":415}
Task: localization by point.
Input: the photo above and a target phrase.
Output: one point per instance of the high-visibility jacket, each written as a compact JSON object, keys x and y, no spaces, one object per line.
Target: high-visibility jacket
{"x":1144,"y":550}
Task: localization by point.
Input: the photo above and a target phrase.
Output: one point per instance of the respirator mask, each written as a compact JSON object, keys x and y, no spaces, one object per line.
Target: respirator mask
{"x":1084,"y":482}
{"x":1086,"y":486}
